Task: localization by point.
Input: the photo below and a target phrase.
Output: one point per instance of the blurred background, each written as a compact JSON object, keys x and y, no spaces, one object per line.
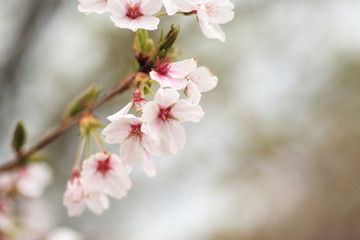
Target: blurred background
{"x":277,"y":155}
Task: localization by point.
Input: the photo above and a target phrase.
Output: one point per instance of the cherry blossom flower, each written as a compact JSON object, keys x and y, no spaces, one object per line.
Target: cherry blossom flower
{"x":75,"y":200}
{"x":103,"y":172}
{"x":32,"y":179}
{"x":135,"y":144}
{"x":172,"y":6}
{"x":93,"y":6}
{"x":74,"y":196}
{"x":162,"y":119}
{"x":211,"y":13}
{"x":137,"y":101}
{"x":199,"y":81}
{"x":173,"y":74}
{"x":135,"y":14}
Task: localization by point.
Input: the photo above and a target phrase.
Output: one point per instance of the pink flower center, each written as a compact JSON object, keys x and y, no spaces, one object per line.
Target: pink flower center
{"x":165,"y":114}
{"x":135,"y":132}
{"x":162,"y":67}
{"x":133,"y":11}
{"x":104,"y":166}
{"x":138,"y":100}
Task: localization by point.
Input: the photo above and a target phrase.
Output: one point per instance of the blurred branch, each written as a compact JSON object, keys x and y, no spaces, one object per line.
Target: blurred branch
{"x":64,"y":124}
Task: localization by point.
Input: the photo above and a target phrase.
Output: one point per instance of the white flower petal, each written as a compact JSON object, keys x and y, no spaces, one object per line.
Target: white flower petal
{"x":222,"y":15}
{"x":167,"y":80}
{"x":203,"y":78}
{"x":152,"y":146}
{"x":131,"y":151}
{"x":212,"y":31}
{"x":115,"y":186}
{"x":73,"y":208}
{"x":121,"y":21}
{"x":185,"y":111}
{"x":117,"y":8}
{"x":93,"y":6}
{"x":117,"y":131}
{"x":148,"y":166}
{"x":170,"y":7}
{"x":97,"y":203}
{"x":120,"y":113}
{"x":192,"y":92}
{"x":181,"y":69}
{"x":150,"y":112}
{"x":144,"y":22}
{"x":184,"y":5}
{"x":166,"y":97}
{"x":152,"y":129}
{"x":173,"y":137}
{"x":150,"y":7}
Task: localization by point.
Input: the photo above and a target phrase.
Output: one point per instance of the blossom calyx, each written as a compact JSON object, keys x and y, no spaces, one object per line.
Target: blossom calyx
{"x":88,"y":123}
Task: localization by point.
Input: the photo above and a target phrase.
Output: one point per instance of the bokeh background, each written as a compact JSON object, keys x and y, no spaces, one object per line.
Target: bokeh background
{"x":277,"y":155}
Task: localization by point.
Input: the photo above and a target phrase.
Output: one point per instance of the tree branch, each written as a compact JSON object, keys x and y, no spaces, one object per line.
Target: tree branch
{"x":63,"y":125}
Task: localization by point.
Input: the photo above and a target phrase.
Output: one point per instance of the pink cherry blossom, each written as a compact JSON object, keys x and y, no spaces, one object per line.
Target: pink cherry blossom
{"x":162,"y":119}
{"x":199,"y":81}
{"x":93,"y":6}
{"x":173,"y":74}
{"x":103,"y":172}
{"x":135,"y":144}
{"x":75,"y":199}
{"x":172,"y":6}
{"x":211,"y":13}
{"x":137,"y":101}
{"x":135,"y":14}
{"x":32,"y":179}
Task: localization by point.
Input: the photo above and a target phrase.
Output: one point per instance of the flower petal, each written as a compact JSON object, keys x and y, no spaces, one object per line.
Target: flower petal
{"x":121,"y":21}
{"x":97,"y":203}
{"x":131,"y":151}
{"x":148,"y":166}
{"x":93,"y":6}
{"x":166,"y":97}
{"x":125,"y":110}
{"x":173,"y":137}
{"x":144,"y":22}
{"x":150,"y":7}
{"x":212,"y":31}
{"x":185,"y":111}
{"x":150,"y":112}
{"x":182,"y":68}
{"x":203,"y":78}
{"x":73,"y":208}
{"x":117,"y":8}
{"x":192,"y":92}
{"x":117,"y":131}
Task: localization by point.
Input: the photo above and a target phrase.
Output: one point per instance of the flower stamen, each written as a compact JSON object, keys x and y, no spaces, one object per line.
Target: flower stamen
{"x":133,"y":11}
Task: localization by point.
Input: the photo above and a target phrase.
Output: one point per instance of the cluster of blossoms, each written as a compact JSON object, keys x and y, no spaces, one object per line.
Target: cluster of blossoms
{"x":141,"y":14}
{"x":153,"y":130}
{"x":144,"y":127}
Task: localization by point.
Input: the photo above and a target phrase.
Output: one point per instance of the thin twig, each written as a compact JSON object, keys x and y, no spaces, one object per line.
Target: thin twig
{"x":63,"y":125}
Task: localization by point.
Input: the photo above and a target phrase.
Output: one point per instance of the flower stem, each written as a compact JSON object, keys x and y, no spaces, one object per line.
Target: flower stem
{"x":65,"y":124}
{"x":79,"y":154}
{"x":97,"y":141}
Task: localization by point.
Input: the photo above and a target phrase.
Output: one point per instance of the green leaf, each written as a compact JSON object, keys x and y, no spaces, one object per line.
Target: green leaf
{"x":19,"y":137}
{"x":82,"y":103}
